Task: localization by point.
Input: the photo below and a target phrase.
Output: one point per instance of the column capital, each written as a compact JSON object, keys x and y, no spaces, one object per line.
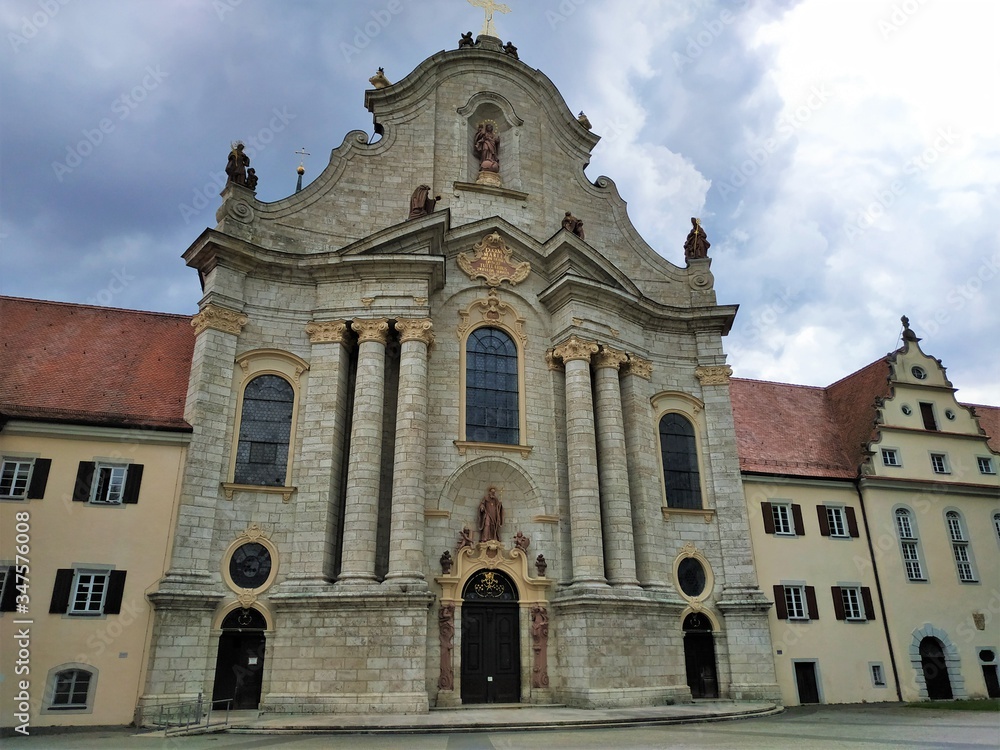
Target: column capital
{"x":575,"y":348}
{"x":641,"y":368}
{"x":608,"y":357}
{"x":715,"y":375}
{"x":327,"y":331}
{"x":220,"y":319}
{"x":371,"y":329}
{"x":415,"y":329}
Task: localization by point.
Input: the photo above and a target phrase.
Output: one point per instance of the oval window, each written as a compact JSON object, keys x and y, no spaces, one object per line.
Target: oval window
{"x":691,"y":577}
{"x":918,"y":372}
{"x":250,"y":565}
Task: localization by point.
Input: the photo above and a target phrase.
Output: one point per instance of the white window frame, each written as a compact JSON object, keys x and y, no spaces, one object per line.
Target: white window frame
{"x":985,"y":464}
{"x":84,"y":583}
{"x":49,"y":704}
{"x":854,"y":605}
{"x":836,"y":517}
{"x":15,"y":480}
{"x":113,"y":490}
{"x":796,"y":606}
{"x":960,"y":548}
{"x":73,"y":690}
{"x":940,"y":464}
{"x":877,"y":672}
{"x":909,"y":544}
{"x":894,"y":454}
{"x":996,"y":525}
{"x":781,"y":514}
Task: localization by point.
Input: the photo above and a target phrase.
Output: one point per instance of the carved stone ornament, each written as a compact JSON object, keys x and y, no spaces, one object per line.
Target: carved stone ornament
{"x":979,"y":620}
{"x":491,"y":261}
{"x":446,"y":635}
{"x":541,"y":565}
{"x":327,"y":332}
{"x":552,"y":361}
{"x":641,"y":368}
{"x":415,"y":329}
{"x":376,"y":329}
{"x":253,"y":533}
{"x":219,"y":319}
{"x":540,"y":646}
{"x":494,"y":311}
{"x":446,"y":562}
{"x":609,"y":357}
{"x":241,"y":210}
{"x":575,"y":348}
{"x":521,"y":541}
{"x":247,"y":598}
{"x":716,"y":375}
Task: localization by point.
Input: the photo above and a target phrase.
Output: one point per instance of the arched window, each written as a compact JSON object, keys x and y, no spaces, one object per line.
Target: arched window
{"x":679,"y":451}
{"x":265,"y":431}
{"x":491,"y":391}
{"x":71,"y":690}
{"x":996,"y":525}
{"x":960,"y":546}
{"x":909,"y":545}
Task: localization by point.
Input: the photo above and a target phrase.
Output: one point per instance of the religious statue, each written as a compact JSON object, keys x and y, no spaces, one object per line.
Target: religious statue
{"x":490,"y":516}
{"x":696,"y":245}
{"x":487,"y":147}
{"x":539,"y":645}
{"x":421,"y":202}
{"x":236,"y":167}
{"x":521,"y":542}
{"x":465,"y":538}
{"x":252,"y":178}
{"x":584,"y":120}
{"x":446,"y":562}
{"x":541,"y":565}
{"x":466,"y":40}
{"x":379,"y":80}
{"x":446,"y":635}
{"x":572,"y":224}
{"x":511,"y":50}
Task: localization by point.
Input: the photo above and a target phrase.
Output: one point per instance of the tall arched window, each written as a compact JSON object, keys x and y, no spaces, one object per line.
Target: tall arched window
{"x":679,"y":451}
{"x":909,"y":545}
{"x":265,"y":431}
{"x":960,"y":546}
{"x":491,"y":396}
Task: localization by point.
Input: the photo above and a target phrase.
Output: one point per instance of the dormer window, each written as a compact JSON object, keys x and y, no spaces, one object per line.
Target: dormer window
{"x":927,"y":413}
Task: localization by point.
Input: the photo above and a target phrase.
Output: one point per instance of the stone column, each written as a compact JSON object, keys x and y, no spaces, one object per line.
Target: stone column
{"x":616,"y":507}
{"x":581,"y":459}
{"x":643,"y":470}
{"x":364,"y":464}
{"x":406,"y":547}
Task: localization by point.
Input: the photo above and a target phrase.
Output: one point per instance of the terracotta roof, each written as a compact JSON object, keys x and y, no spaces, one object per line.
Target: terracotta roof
{"x":989,"y":421}
{"x":93,"y":365}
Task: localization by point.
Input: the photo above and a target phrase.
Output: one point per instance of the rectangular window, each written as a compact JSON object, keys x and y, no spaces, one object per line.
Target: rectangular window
{"x":14,"y":478}
{"x":927,"y":412}
{"x":88,"y":594}
{"x":836,"y":520}
{"x":963,"y":563}
{"x":851,"y":597}
{"x":878,"y":675}
{"x":71,"y":689}
{"x":939,"y":462}
{"x":985,"y":465}
{"x":911,"y":559}
{"x":109,"y":485}
{"x":795,"y":602}
{"x":853,"y":603}
{"x":890,"y":457}
{"x":782,"y":518}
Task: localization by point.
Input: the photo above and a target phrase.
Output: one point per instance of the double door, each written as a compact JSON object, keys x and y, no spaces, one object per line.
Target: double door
{"x":491,"y":663}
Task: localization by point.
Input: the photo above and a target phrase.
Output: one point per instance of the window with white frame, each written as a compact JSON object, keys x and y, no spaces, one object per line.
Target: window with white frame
{"x":985,"y":465}
{"x":960,"y":547}
{"x":795,"y":602}
{"x":878,"y":675}
{"x":851,"y":597}
{"x":109,"y":486}
{"x":782,"y":515}
{"x":88,"y":592}
{"x":106,"y":483}
{"x":23,"y":478}
{"x":837,"y":521}
{"x":890,"y":457}
{"x":939,"y":463}
{"x":853,"y":603}
{"x":71,"y":690}
{"x":909,"y":545}
{"x":996,"y":525}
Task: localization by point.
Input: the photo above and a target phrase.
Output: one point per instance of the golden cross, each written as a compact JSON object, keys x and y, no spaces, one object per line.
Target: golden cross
{"x":490,"y":7}
{"x":303,"y":153}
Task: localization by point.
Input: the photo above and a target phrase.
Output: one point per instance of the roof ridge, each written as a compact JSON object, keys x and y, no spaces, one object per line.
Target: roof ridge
{"x":100,"y":308}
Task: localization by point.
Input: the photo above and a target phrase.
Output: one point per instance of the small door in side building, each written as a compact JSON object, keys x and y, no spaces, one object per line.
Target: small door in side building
{"x":992,"y":682}
{"x":934,"y":668}
{"x":805,"y":680}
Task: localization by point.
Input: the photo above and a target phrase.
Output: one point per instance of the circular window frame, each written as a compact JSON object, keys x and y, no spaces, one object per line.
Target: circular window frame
{"x":918,"y":372}
{"x":907,"y":411}
{"x":706,"y":592}
{"x":228,"y":557}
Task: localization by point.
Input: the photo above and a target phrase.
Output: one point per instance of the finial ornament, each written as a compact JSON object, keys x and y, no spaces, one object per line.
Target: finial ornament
{"x":489,"y":7}
{"x":908,"y":335}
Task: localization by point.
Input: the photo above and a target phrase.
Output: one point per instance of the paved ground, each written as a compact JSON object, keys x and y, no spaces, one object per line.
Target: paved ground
{"x":821,"y":727}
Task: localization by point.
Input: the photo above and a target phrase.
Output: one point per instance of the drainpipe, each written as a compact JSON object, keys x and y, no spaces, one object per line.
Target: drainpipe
{"x":878,"y":588}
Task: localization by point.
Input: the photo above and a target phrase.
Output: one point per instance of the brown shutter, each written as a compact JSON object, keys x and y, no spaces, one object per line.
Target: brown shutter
{"x":61,"y":591}
{"x":39,"y":477}
{"x":811,"y":602}
{"x":824,"y":520}
{"x":838,"y":603}
{"x":852,"y":522}
{"x":84,"y":482}
{"x":133,"y":478}
{"x":866,"y":597}
{"x":116,"y":589}
{"x":765,"y":509}
{"x":797,"y":517}
{"x":8,"y":602}
{"x":779,"y":603}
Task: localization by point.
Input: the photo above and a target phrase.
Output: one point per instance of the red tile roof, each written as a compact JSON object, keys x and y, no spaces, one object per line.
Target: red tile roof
{"x":93,"y":365}
{"x":989,"y":421}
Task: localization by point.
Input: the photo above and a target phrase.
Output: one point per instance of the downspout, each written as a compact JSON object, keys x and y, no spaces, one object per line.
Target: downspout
{"x":878,"y":588}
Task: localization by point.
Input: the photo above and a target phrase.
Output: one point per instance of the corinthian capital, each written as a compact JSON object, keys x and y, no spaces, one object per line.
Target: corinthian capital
{"x":716,"y":375}
{"x":609,"y":357}
{"x":220,"y":319}
{"x":575,"y":348}
{"x":639,"y":367}
{"x":415,"y":329}
{"x":327,"y":331}
{"x":371,"y":329}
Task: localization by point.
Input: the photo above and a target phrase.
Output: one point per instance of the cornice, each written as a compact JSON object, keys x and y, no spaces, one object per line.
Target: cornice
{"x":64,"y":431}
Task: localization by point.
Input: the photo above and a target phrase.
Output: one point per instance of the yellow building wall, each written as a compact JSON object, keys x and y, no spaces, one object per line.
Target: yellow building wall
{"x":66,"y":534}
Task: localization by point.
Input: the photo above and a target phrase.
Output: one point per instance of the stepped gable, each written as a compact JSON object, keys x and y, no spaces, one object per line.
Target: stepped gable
{"x":93,"y":365}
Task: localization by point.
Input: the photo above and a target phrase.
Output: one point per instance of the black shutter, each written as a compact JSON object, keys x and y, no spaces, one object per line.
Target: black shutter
{"x":824,"y":520}
{"x":133,"y":478}
{"x":7,"y":603}
{"x":765,"y":509}
{"x":116,"y":589}
{"x":61,"y":591}
{"x":838,"y":603}
{"x":866,"y":597}
{"x":811,"y":602}
{"x":779,"y":603}
{"x":852,"y":522}
{"x":797,"y":517}
{"x":84,"y":482}
{"x":39,"y":477}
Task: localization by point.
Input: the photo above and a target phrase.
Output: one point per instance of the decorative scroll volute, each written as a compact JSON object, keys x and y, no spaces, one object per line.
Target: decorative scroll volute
{"x":492,"y":311}
{"x":219,"y":319}
{"x":491,"y":261}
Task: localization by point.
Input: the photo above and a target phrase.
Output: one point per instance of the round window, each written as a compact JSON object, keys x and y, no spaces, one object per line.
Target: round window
{"x":906,"y":410}
{"x":949,"y":414}
{"x":918,"y":372}
{"x":250,"y":565}
{"x":691,"y":577}
{"x":987,"y":655}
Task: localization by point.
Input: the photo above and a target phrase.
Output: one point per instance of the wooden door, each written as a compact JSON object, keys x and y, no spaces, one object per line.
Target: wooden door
{"x":491,"y":664}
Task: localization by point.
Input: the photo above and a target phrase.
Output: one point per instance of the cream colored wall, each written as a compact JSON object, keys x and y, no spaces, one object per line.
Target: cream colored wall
{"x":64,"y":534}
{"x":843,"y":650}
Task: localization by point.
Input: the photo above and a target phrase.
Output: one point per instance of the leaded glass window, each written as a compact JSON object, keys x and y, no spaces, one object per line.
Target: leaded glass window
{"x":680,"y":462}
{"x":265,"y":430}
{"x":491,"y":389}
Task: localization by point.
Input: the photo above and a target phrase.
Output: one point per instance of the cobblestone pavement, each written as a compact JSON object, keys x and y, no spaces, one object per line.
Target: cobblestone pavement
{"x":820,"y":727}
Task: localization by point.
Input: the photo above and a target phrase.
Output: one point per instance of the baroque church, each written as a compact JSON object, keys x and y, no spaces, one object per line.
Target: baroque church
{"x":461,"y":435}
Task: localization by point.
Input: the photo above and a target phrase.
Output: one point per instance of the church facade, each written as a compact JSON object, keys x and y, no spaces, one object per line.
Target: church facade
{"x":465,"y":449}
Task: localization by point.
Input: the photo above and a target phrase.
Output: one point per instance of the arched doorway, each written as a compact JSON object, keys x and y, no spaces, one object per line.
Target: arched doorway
{"x":699,"y":656}
{"x":239,"y":667}
{"x":934,"y":668}
{"x":491,"y":643}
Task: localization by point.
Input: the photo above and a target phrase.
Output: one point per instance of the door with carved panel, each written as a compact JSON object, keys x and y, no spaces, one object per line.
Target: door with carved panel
{"x":491,"y":664}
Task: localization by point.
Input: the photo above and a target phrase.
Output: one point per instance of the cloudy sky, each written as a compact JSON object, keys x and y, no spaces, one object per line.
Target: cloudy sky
{"x":844,"y":155}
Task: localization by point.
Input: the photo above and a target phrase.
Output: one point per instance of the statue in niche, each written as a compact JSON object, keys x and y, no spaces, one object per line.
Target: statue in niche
{"x":421,"y":202}
{"x":466,"y":40}
{"x":487,"y":147}
{"x":696,"y":245}
{"x":541,"y":565}
{"x":446,"y":634}
{"x":572,"y":224}
{"x":236,"y":166}
{"x":540,"y":646}
{"x":465,"y":538}
{"x":521,"y":542}
{"x":490,"y":516}
{"x":446,"y":562}
{"x":511,"y":50}
{"x":252,"y":178}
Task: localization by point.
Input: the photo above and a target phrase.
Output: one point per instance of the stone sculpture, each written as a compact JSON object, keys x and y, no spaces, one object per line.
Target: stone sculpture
{"x":541,"y":565}
{"x":236,"y":166}
{"x":446,"y":634}
{"x":446,"y":562}
{"x":487,"y":147}
{"x":421,"y":203}
{"x":466,"y":40}
{"x":696,"y":245}
{"x":540,"y":646}
{"x":465,"y":538}
{"x":521,"y":542}
{"x":572,"y":224}
{"x":490,"y":516}
{"x":511,"y":50}
{"x":252,"y":178}
{"x":379,"y":80}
